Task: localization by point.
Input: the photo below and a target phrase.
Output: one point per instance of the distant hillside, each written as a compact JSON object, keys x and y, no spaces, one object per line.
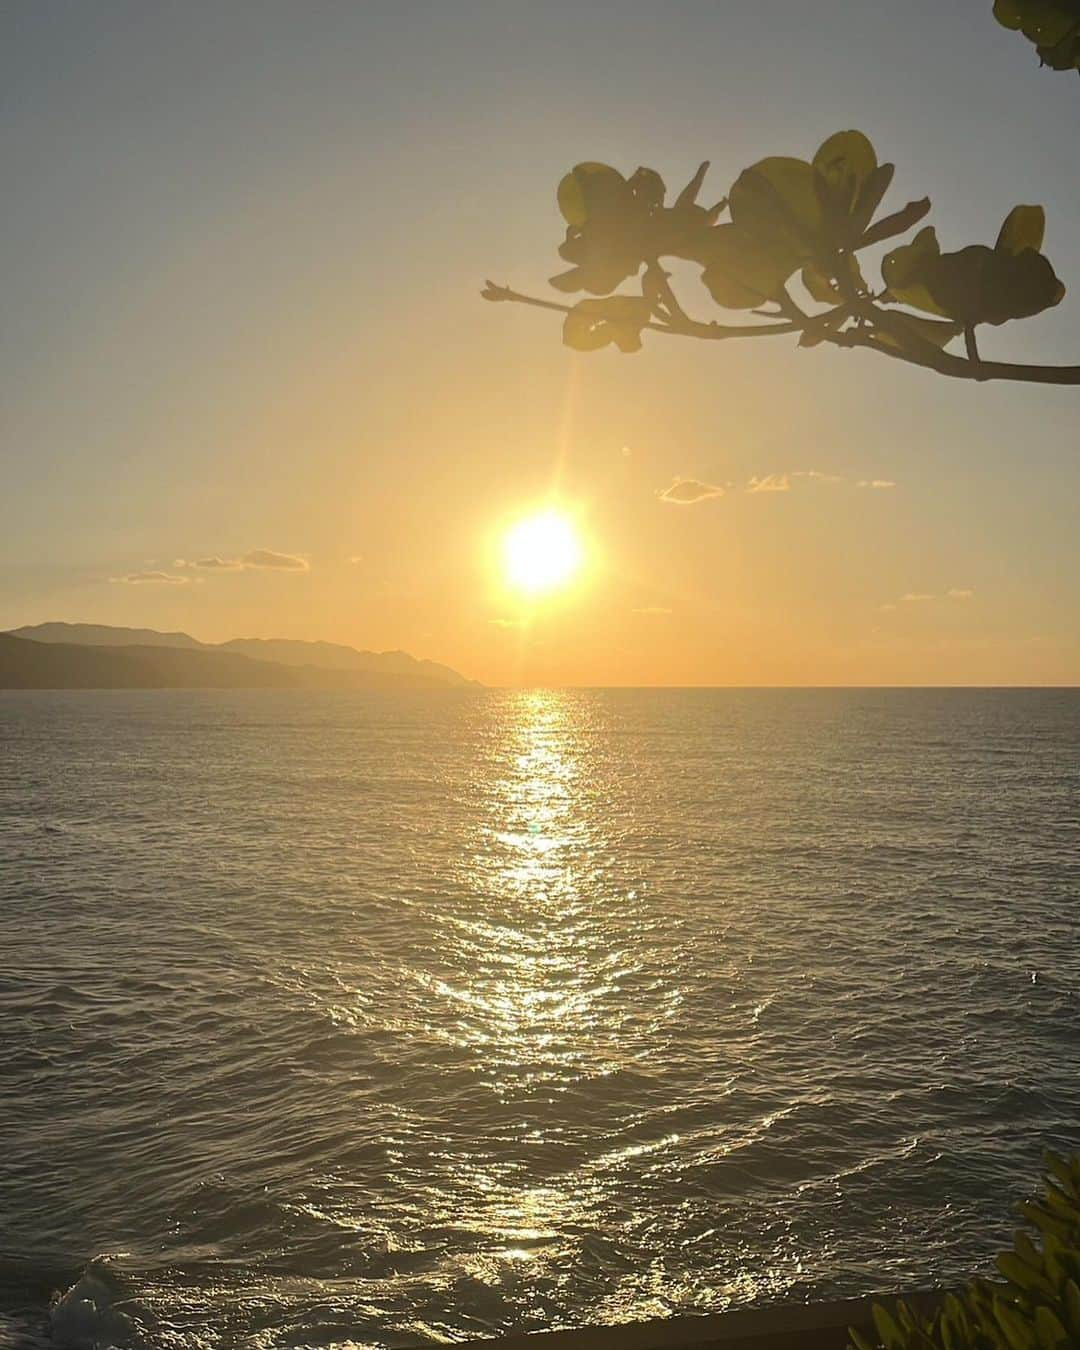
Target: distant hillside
{"x":25,"y":664}
{"x":284,"y":651}
{"x":333,"y":656}
{"x":103,"y":635}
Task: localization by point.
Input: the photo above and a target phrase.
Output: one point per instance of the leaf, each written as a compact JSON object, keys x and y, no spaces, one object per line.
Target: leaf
{"x":937,"y":332}
{"x":584,"y":187}
{"x":869,"y":198}
{"x":743,"y":270}
{"x":904,"y":268}
{"x":1018,"y":1334}
{"x":1009,"y":13}
{"x":1023,"y":1276}
{"x":1057,"y":1166}
{"x":568,"y":281}
{"x":776,"y":198}
{"x":1047,"y":23}
{"x":887,"y":1329}
{"x":1072,"y":1307}
{"x":647,"y":187}
{"x":974,"y":285}
{"x":1023,"y":228}
{"x":845,"y":161}
{"x":688,"y":196}
{"x":1052,"y":1335}
{"x":859,"y":1341}
{"x":889,"y":226}
{"x":619,"y":319}
{"x":821,"y":286}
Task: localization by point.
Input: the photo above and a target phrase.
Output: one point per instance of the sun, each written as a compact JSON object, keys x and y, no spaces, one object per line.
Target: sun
{"x":542,"y":553}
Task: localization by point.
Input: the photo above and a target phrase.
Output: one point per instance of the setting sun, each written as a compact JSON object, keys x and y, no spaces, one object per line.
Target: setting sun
{"x":542,"y":553}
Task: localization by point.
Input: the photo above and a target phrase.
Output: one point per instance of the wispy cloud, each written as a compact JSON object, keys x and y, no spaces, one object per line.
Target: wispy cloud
{"x":268,"y":557}
{"x":876,"y":483}
{"x":150,"y":579}
{"x":687,"y":491}
{"x":816,"y":473}
{"x":507,"y":623}
{"x":771,"y":482}
{"x":356,"y":559}
{"x":212,"y":564}
{"x":924,"y":597}
{"x":256,"y":558}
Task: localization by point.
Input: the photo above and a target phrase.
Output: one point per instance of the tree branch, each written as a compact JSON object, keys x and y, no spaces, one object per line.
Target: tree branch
{"x":923,"y":354}
{"x":956,"y":367}
{"x":684,"y":327}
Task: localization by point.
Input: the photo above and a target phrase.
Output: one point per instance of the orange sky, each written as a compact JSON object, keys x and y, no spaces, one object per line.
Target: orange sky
{"x":244,"y":314}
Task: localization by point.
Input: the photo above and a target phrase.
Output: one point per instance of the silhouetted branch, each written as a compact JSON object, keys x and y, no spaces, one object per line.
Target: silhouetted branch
{"x":684,"y":327}
{"x":792,"y":218}
{"x":956,"y":367}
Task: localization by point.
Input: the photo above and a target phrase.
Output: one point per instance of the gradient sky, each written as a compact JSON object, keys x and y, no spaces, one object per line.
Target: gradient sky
{"x":242,"y":255}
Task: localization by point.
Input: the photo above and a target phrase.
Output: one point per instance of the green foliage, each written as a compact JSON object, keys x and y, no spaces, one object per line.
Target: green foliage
{"x":788,"y":216}
{"x":595,"y":323}
{"x":614,"y":222}
{"x":1052,"y":25}
{"x":1036,"y":1306}
{"x":977,"y":284}
{"x":794,"y":222}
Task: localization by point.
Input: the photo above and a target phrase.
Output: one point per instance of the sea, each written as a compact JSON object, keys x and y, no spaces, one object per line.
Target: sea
{"x":344,"y":1019}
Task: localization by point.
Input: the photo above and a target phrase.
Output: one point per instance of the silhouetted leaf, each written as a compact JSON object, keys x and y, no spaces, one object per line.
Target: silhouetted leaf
{"x":869,"y":199}
{"x":776,"y":199}
{"x":1052,"y":25}
{"x":743,"y":270}
{"x":1023,"y":228}
{"x":819,"y":284}
{"x":587,"y":187}
{"x":937,"y":332}
{"x":843,"y":165}
{"x":978,"y":284}
{"x":619,"y":319}
{"x":890,"y":226}
{"x":903,"y":272}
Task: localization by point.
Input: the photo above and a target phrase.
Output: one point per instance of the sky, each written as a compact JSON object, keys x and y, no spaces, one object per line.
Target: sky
{"x":242,"y":257}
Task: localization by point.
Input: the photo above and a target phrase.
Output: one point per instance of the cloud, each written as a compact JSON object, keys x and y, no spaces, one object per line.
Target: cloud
{"x":267,"y":557}
{"x":876,"y":483}
{"x":816,"y":473}
{"x":921,"y":597}
{"x":212,"y":564}
{"x":652,"y":609}
{"x":772,"y":482}
{"x":150,"y":579}
{"x":256,"y":558}
{"x":687,"y":491}
{"x":507,"y":623}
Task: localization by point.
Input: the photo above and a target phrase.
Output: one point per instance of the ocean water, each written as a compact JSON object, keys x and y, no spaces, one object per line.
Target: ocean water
{"x":351,"y":1020}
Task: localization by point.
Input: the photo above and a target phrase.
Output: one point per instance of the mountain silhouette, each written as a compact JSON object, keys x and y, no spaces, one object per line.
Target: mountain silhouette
{"x":395,"y":667}
{"x":92,"y":656}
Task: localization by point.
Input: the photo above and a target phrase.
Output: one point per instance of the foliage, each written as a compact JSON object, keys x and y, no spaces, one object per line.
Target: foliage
{"x":785,"y":218}
{"x":1052,"y":25}
{"x":1035,"y":1307}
